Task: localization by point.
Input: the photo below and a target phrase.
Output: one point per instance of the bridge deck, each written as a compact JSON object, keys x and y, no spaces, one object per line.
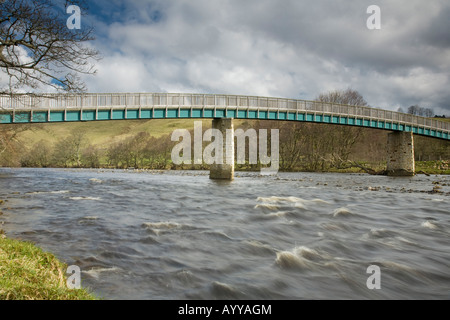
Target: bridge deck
{"x":95,"y":107}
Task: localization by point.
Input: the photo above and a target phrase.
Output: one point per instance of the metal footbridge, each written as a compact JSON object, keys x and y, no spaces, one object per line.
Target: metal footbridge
{"x":120,"y":106}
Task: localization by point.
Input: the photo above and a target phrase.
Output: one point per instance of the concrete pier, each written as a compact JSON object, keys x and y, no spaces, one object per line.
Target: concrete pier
{"x":400,"y":152}
{"x":225,"y":170}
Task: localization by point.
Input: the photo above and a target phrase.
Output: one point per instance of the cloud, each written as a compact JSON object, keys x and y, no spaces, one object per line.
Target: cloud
{"x":289,"y":48}
{"x":10,"y":82}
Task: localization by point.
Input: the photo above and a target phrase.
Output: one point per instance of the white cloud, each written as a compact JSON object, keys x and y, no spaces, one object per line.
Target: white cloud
{"x":290,"y":48}
{"x":20,"y":57}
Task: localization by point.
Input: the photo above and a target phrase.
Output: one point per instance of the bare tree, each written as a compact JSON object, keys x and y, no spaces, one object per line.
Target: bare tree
{"x":428,"y":113}
{"x":68,"y":151}
{"x":38,"y":49}
{"x":414,"y":110}
{"x":91,"y":156}
{"x":345,"y":137}
{"x":9,"y":144}
{"x":420,"y":111}
{"x":349,"y":96}
{"x":38,"y":156}
{"x":292,"y":146}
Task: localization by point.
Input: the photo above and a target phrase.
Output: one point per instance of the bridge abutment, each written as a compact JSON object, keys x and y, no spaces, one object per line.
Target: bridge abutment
{"x":224,"y":170}
{"x":400,"y":154}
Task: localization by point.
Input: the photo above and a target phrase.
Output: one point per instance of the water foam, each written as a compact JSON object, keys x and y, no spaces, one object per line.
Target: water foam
{"x":90,"y":218}
{"x":430,"y":225}
{"x":225,"y":291}
{"x":85,"y":198}
{"x":96,"y":271}
{"x":307,"y":253}
{"x":342,"y":212}
{"x":161,"y":227}
{"x":267,"y":206}
{"x":278,"y":199}
{"x":276,"y":203}
{"x":288,"y":260}
{"x":381,"y":233}
{"x":278,"y":214}
{"x":300,"y":257}
{"x":49,"y":192}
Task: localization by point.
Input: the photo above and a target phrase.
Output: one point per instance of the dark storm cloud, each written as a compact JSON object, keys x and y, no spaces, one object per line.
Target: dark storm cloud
{"x":438,"y":34}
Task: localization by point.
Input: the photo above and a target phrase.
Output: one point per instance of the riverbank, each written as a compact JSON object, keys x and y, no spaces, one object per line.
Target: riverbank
{"x":435,"y":167}
{"x":29,"y":273}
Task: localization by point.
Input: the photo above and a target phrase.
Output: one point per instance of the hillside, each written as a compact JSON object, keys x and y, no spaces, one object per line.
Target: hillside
{"x":103,"y":132}
{"x":147,"y":144}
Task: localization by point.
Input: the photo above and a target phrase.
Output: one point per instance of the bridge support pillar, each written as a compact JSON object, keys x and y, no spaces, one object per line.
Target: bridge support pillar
{"x":400,"y":149}
{"x":224,"y":170}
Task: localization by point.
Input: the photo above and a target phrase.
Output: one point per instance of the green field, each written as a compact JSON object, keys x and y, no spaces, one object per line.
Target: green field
{"x":104,"y":132}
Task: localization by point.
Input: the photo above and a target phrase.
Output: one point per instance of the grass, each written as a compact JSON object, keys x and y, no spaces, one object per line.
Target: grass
{"x":29,"y":273}
{"x":107,"y":132}
{"x":433,"y":167}
{"x":104,"y":132}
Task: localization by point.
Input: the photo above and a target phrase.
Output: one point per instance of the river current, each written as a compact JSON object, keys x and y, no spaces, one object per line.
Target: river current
{"x":179,"y":235}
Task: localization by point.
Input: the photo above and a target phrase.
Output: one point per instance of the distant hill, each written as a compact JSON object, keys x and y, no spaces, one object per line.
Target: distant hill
{"x":104,"y":132}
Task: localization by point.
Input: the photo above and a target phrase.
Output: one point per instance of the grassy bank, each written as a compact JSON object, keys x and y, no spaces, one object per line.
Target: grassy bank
{"x":433,"y":167}
{"x":29,"y":273}
{"x":104,"y":132}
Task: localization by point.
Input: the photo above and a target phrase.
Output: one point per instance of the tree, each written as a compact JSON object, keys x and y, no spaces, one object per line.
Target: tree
{"x":9,"y":144}
{"x":158,"y":151}
{"x":429,"y":113}
{"x":163,"y":149}
{"x":38,"y":156}
{"x":414,"y":110}
{"x":115,"y":154}
{"x":349,"y":96}
{"x":37,"y":48}
{"x":130,"y":152}
{"x":343,"y":137}
{"x":69,"y":151}
{"x":91,"y":157}
{"x":136,"y":148}
{"x":420,"y":111}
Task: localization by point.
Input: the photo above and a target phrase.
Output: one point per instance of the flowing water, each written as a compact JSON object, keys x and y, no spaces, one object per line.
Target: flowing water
{"x":180,"y":235}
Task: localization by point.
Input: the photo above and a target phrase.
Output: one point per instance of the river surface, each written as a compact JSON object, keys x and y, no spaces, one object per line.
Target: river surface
{"x":179,"y":235}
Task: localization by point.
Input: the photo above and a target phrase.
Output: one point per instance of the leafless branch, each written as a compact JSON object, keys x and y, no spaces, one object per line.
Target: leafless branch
{"x":38,"y":49}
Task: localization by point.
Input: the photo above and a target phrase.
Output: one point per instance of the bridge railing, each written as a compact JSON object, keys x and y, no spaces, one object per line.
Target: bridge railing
{"x":177,"y":100}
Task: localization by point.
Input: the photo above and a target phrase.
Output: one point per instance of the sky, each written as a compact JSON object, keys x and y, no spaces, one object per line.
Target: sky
{"x":285,"y":48}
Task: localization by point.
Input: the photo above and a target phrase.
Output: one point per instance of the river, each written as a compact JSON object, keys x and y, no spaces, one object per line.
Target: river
{"x":179,"y":235}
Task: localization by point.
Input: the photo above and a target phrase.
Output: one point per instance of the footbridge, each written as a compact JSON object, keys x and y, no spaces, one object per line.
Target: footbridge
{"x":48,"y":108}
